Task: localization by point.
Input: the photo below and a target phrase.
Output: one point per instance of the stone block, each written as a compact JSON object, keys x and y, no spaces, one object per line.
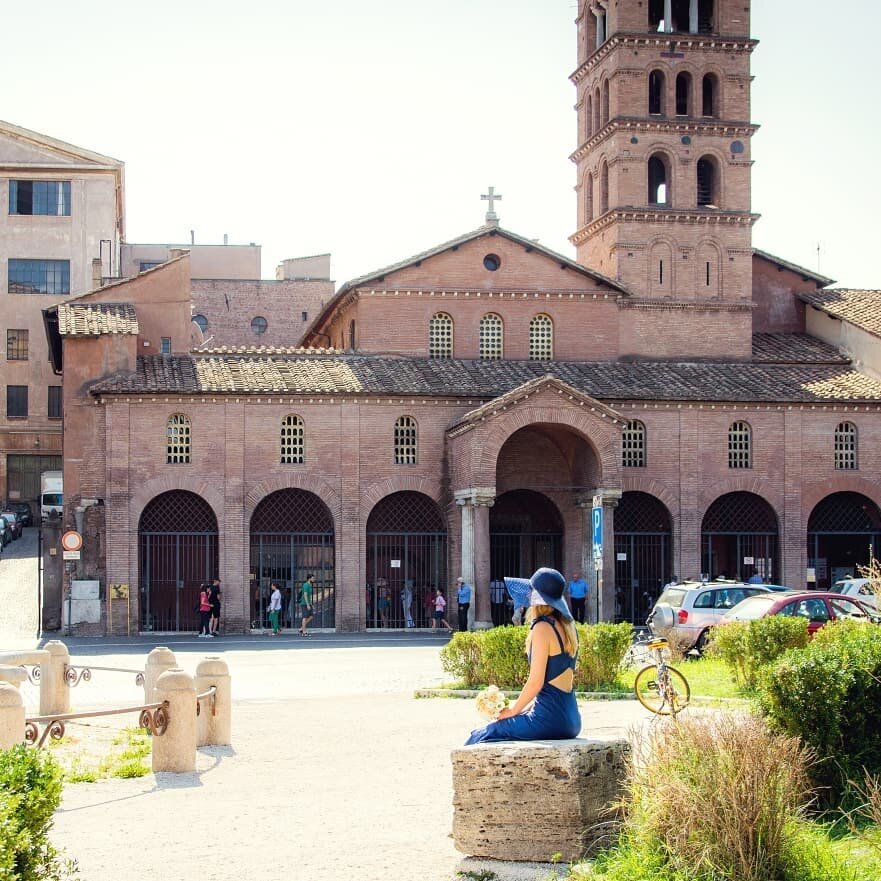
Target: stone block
{"x":528,"y":801}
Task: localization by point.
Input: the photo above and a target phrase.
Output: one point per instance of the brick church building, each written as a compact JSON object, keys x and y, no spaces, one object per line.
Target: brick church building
{"x":458,"y":412}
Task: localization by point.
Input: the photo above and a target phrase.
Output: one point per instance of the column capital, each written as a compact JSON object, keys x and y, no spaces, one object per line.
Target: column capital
{"x":611,"y":497}
{"x":476,"y":496}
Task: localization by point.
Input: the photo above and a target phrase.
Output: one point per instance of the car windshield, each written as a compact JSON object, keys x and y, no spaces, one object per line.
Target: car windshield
{"x":53,"y":499}
{"x":672,"y":596}
{"x":751,"y":607}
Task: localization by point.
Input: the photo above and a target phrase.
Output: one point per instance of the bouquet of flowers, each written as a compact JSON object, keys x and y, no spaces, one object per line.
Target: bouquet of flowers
{"x":490,"y":702}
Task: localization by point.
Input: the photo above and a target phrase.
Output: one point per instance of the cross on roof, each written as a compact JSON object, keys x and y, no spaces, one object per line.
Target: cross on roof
{"x":491,"y":197}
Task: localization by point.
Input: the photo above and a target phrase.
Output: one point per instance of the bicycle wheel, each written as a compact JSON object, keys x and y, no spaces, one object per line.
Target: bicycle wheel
{"x":664,"y":698}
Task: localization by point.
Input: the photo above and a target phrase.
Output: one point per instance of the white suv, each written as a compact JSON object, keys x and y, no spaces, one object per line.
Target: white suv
{"x":861,"y":589}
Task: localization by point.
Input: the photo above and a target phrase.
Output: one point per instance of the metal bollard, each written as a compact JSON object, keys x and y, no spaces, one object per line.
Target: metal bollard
{"x":215,"y":728}
{"x":54,"y":690}
{"x":11,"y":716}
{"x":175,"y":750}
{"x":158,"y":661}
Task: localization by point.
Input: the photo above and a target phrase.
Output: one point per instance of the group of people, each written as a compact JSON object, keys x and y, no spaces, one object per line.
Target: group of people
{"x":209,"y":609}
{"x":304,"y":604}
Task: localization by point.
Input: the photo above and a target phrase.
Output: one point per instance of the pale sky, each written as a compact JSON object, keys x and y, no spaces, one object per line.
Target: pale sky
{"x":370,"y":130}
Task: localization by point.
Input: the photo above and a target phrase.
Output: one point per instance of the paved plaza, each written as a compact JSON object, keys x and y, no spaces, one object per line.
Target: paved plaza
{"x":335,"y":772}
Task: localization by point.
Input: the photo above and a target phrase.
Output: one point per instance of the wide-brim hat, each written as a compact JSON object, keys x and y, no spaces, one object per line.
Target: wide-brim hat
{"x":545,"y":588}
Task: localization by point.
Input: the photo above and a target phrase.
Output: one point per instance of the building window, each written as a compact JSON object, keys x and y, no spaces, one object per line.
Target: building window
{"x":16,"y":345}
{"x":201,"y":321}
{"x":16,"y":402}
{"x":588,"y":117}
{"x":440,"y":336}
{"x":293,"y":449}
{"x":604,"y":188}
{"x":177,"y":440}
{"x":709,"y":98}
{"x":588,"y":198}
{"x":683,"y":94}
{"x":259,"y":325}
{"x":656,"y":93}
{"x":46,"y":197}
{"x":144,"y":265}
{"x":165,"y":345}
{"x":39,"y":277}
{"x":633,"y":445}
{"x":405,"y":441}
{"x":353,"y":337}
{"x":606,"y":102}
{"x":53,"y":407}
{"x":707,"y":183}
{"x":657,"y":181}
{"x":739,"y":445}
{"x":541,"y":338}
{"x":846,"y":446}
{"x":491,"y":337}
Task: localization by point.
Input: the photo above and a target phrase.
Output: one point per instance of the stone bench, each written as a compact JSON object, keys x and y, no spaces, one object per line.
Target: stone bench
{"x":530,"y":800}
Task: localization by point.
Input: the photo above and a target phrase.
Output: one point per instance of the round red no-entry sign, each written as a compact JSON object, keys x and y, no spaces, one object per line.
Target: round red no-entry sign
{"x":71,"y":541}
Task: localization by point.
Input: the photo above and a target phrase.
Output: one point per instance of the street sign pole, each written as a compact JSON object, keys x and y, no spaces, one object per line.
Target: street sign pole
{"x":597,"y":522}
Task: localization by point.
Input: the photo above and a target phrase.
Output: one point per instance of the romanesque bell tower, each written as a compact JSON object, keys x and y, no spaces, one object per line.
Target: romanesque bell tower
{"x":664,"y":148}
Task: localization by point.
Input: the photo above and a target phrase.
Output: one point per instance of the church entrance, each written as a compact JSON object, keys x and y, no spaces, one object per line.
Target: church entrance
{"x":177,"y":553}
{"x":643,"y":533}
{"x":739,"y":538}
{"x":844,"y":533}
{"x":406,"y":560}
{"x":525,"y":532}
{"x":292,"y":538}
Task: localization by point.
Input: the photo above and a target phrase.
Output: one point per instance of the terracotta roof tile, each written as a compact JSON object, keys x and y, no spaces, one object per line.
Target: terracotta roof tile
{"x":607,"y":381}
{"x":93,"y":319}
{"x":794,"y":348}
{"x":861,"y":308}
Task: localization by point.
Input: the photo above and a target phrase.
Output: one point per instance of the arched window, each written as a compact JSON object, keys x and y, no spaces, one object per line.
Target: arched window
{"x":352,"y":336}
{"x":657,"y":181}
{"x":683,"y":94}
{"x":705,"y":21}
{"x":293,"y":446}
{"x":259,"y":325}
{"x":709,"y":95}
{"x":604,"y":188}
{"x":588,"y":198}
{"x":177,"y":440}
{"x":656,"y":15}
{"x":440,"y":336}
{"x":605,"y":102}
{"x":405,"y":441}
{"x":846,"y":446}
{"x":656,"y":93}
{"x":633,"y":445}
{"x":201,"y":321}
{"x":491,"y":337}
{"x":597,"y":107}
{"x":541,"y":338}
{"x":588,"y":117}
{"x":708,"y":268}
{"x":739,"y":445}
{"x":707,"y":183}
{"x":660,"y":281}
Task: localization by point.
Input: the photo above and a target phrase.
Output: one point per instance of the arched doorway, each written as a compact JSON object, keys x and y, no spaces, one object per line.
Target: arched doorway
{"x":525,"y":532}
{"x":292,"y":537}
{"x":406,"y":560}
{"x":643,"y":531}
{"x":844,"y":532}
{"x":177,"y":552}
{"x":739,"y":538}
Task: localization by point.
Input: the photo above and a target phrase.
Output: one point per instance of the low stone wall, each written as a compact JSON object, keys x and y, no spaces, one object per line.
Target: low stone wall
{"x":528,"y":801}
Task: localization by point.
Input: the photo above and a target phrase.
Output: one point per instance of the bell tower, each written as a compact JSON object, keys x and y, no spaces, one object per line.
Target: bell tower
{"x":663,"y":101}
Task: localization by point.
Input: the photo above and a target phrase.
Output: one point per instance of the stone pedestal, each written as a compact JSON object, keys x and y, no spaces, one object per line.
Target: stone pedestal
{"x":176,"y":749}
{"x":54,"y":690}
{"x":159,"y":660}
{"x":527,"y":801}
{"x":214,"y":727}
{"x":11,"y":716}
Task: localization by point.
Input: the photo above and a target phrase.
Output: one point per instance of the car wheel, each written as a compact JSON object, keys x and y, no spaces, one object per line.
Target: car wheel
{"x":702,"y":641}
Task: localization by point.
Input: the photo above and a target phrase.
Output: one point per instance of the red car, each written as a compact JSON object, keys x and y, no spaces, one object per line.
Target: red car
{"x":817,"y":606}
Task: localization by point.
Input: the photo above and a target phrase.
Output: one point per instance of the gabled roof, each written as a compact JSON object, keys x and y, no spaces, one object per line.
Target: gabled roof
{"x":94,"y":319}
{"x":69,"y":152}
{"x":806,"y":274}
{"x":861,"y":308}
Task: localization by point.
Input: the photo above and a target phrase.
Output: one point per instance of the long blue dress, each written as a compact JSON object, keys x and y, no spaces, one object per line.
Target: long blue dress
{"x":553,"y":716}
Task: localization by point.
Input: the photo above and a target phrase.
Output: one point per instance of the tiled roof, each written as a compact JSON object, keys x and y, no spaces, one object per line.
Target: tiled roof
{"x":84,"y":318}
{"x":607,"y":381}
{"x":821,"y":280}
{"x":861,"y":308}
{"x":794,"y":348}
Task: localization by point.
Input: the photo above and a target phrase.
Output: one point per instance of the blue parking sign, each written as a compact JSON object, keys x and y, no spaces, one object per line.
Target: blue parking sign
{"x":597,"y":520}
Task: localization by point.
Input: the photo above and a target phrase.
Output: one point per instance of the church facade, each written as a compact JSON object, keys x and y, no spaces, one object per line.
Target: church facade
{"x":460,"y":412}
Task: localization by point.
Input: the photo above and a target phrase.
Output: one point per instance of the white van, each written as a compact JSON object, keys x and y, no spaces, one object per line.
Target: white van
{"x":51,"y":495}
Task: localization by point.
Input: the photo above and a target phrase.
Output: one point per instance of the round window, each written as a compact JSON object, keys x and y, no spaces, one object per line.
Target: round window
{"x":492,"y":262}
{"x":202,"y":321}
{"x":259,"y":325}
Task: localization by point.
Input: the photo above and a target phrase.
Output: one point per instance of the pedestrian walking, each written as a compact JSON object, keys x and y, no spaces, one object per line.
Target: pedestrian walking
{"x":578,"y":595}
{"x":463,"y":601}
{"x":275,"y":609}
{"x":306,"y":608}
{"x":214,"y":600}
{"x":440,"y":605}
{"x":204,"y":613}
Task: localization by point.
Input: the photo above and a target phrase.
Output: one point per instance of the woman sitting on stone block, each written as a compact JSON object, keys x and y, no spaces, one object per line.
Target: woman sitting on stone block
{"x":546,"y":708}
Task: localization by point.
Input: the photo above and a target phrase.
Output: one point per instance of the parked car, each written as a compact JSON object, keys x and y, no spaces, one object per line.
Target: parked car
{"x":684,"y":613}
{"x":14,"y":522}
{"x":23,"y":509}
{"x":5,"y":531}
{"x":817,"y":606}
{"x":860,"y":589}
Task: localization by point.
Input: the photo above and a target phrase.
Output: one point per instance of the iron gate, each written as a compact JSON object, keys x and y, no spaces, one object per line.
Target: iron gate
{"x":177,"y":551}
{"x":739,"y":538}
{"x":642,"y":555}
{"x":406,"y":561}
{"x":292,"y":538}
{"x":525,"y":533}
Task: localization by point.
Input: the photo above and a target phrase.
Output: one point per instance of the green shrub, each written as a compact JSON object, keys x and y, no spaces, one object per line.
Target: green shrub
{"x":460,"y":657}
{"x":829,"y":694}
{"x":30,"y":791}
{"x":601,"y":649}
{"x":746,"y":646}
{"x":503,"y":659}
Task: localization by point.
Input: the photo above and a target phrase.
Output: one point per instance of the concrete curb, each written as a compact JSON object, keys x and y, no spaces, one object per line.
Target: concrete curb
{"x":471,"y":693}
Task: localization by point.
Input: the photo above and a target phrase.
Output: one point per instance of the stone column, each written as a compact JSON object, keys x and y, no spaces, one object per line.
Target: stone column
{"x":605,"y":609}
{"x":600,"y":15}
{"x":176,"y":749}
{"x":158,"y":661}
{"x":214,"y":727}
{"x":54,"y":690}
{"x":668,"y":16}
{"x":11,"y":716}
{"x":475,"y":504}
{"x":692,"y":17}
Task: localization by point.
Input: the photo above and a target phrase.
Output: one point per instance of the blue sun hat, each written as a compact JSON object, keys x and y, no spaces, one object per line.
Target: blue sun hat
{"x":545,"y":588}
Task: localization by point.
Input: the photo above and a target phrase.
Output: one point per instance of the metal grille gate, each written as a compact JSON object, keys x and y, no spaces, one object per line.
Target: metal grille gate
{"x":739,"y":538}
{"x":292,"y":537}
{"x":177,"y":550}
{"x":406,"y":561}
{"x":525,"y":533}
{"x":642,"y":555}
